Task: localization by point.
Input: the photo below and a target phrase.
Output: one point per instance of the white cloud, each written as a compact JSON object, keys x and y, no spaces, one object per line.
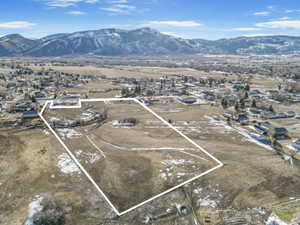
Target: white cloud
{"x":292,"y":11}
{"x":121,"y":6}
{"x":119,"y":9}
{"x":114,"y":10}
{"x":264,"y":13}
{"x":280,"y":24}
{"x":245,"y":29}
{"x":67,"y":3}
{"x":16,"y":24}
{"x":285,"y":18}
{"x":76,"y":13}
{"x":119,"y":1}
{"x":174,"y":23}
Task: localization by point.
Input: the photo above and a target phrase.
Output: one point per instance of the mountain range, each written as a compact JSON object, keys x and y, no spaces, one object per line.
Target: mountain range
{"x":143,"y":41}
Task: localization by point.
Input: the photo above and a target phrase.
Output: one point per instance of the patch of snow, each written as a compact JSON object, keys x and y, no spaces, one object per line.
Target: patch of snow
{"x":275,"y":220}
{"x":35,"y":205}
{"x":45,"y":131}
{"x":33,"y":208}
{"x":68,"y":133}
{"x":176,"y":162}
{"x":207,"y":203}
{"x":198,"y":190}
{"x":293,"y":148}
{"x":165,"y":175}
{"x":67,"y":165}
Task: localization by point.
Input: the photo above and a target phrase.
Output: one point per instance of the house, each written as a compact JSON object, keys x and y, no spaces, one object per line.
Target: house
{"x":255,"y":92}
{"x":129,"y":122}
{"x":188,"y":100}
{"x":31,"y":114}
{"x":263,"y":126}
{"x":243,"y":119}
{"x":254,"y":111}
{"x":22,"y":107}
{"x":279,"y":133}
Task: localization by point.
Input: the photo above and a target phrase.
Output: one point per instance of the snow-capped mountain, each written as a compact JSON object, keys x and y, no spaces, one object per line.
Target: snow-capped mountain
{"x":144,"y":41}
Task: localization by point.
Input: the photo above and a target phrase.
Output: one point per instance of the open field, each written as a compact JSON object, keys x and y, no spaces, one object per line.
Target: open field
{"x":131,"y":71}
{"x":252,"y":175}
{"x":130,"y":164}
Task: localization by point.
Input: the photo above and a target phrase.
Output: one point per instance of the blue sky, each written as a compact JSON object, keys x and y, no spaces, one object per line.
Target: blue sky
{"x":208,"y":19}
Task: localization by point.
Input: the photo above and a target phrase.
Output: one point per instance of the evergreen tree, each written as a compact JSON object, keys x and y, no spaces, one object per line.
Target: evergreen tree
{"x":237,"y":107}
{"x":253,"y":104}
{"x":271,"y":109}
{"x":247,"y":87}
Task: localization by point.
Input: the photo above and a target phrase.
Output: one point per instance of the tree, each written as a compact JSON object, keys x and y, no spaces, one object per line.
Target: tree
{"x":247,"y":87}
{"x":173,"y":82}
{"x":237,"y":107}
{"x":124,"y":92}
{"x":224,"y":103}
{"x":253,"y":104}
{"x":242,"y":103}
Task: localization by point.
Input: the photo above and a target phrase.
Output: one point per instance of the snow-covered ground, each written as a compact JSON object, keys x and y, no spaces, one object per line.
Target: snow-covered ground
{"x":68,"y":133}
{"x":206,"y":202}
{"x":33,"y":208}
{"x":88,"y":157}
{"x":177,"y":162}
{"x":67,"y":165}
{"x":275,"y":220}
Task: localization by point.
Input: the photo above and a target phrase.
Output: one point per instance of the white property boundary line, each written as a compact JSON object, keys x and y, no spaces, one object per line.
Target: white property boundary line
{"x":220,"y":164}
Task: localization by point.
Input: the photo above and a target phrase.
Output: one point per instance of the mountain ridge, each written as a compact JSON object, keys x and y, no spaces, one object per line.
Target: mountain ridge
{"x":142,"y":41}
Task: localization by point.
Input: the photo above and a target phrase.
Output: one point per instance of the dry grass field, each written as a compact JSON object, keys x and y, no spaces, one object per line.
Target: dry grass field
{"x":252,"y":176}
{"x":131,"y":164}
{"x":33,"y":163}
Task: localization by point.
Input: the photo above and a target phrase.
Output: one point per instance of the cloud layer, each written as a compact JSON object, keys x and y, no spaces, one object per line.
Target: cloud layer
{"x":280,"y":24}
{"x":16,"y":24}
{"x":174,"y":23}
